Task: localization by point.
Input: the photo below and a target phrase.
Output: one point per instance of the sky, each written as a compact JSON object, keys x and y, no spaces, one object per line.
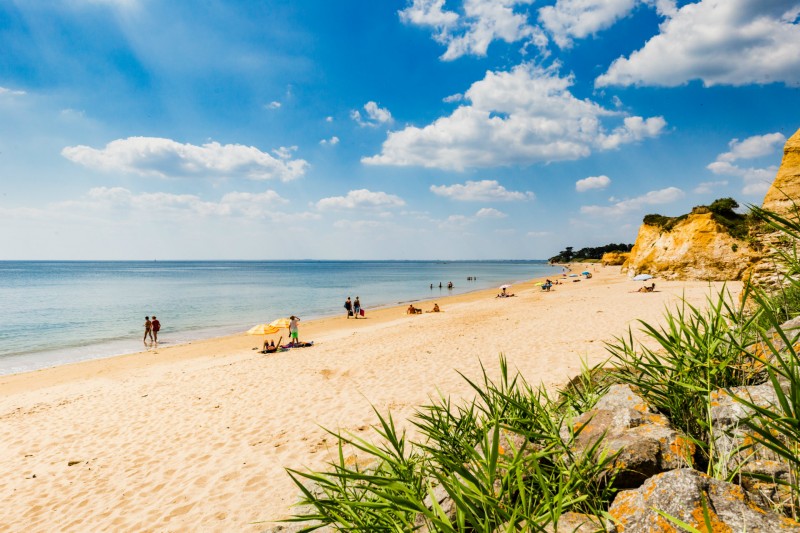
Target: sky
{"x":362,"y":129}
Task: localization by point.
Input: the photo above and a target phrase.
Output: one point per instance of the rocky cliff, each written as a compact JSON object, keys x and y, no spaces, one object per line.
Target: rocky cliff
{"x":785,"y":190}
{"x":781,"y":197}
{"x":615,"y":258}
{"x":696,"y":247}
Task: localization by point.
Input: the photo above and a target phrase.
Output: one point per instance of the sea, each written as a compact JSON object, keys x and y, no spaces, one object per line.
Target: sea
{"x":58,"y":312}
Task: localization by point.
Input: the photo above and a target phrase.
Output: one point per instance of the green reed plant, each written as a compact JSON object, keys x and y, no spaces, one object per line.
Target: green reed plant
{"x":697,"y":351}
{"x":467,"y":452}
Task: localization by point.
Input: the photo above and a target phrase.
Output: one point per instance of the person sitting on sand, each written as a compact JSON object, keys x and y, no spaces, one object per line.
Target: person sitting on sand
{"x":645,"y":288}
{"x":435,"y":309}
{"x":413,"y":310}
{"x":269,"y":347}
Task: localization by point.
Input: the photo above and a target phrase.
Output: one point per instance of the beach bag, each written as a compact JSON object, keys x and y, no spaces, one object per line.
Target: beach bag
{"x":362,"y":312}
{"x":349,"y":312}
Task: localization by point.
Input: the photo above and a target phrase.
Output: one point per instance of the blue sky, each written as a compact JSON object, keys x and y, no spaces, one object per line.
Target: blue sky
{"x":409,"y":129}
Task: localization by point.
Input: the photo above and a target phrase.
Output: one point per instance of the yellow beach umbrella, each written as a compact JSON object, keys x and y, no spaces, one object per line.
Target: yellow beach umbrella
{"x":263,"y":329}
{"x":280,"y":323}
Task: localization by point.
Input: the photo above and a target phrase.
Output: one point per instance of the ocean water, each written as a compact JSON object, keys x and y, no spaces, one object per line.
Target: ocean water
{"x":56,"y":312}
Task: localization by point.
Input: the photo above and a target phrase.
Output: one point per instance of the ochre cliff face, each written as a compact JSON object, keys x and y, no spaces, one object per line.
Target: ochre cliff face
{"x":696,"y":248}
{"x":768,"y":272}
{"x":615,"y":258}
{"x":786,"y":187}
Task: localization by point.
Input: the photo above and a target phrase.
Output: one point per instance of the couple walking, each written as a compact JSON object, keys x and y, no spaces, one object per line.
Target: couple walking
{"x":353,"y":308}
{"x":151,"y":329}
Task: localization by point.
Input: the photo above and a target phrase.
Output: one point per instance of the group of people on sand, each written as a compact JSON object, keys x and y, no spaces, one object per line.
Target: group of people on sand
{"x":151,"y":329}
{"x":353,"y":308}
{"x":418,"y":311}
{"x":294,"y":335}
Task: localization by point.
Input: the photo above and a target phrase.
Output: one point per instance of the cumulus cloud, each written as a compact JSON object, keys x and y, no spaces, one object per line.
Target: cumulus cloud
{"x":720,"y":42}
{"x":124,"y":202}
{"x":361,"y":198}
{"x":489,"y":212}
{"x":522,"y":116}
{"x":453,"y":98}
{"x":375,"y":115}
{"x":592,"y":182}
{"x":481,"y":23}
{"x":662,"y":196}
{"x":756,"y":180}
{"x":706,"y":187}
{"x":752,"y":147}
{"x":273,"y":105}
{"x":328,"y":119}
{"x":480,"y":191}
{"x":154,"y":156}
{"x":333,"y":141}
{"x":576,"y":19}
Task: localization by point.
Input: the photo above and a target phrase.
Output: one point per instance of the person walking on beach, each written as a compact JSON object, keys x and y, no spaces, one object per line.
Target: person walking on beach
{"x":156,"y":327}
{"x":293,"y":334}
{"x":349,"y":306}
{"x":357,"y":307}
{"x":148,"y":329}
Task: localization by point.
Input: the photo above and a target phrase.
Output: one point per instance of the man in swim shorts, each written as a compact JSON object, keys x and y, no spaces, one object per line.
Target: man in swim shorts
{"x":293,"y":320}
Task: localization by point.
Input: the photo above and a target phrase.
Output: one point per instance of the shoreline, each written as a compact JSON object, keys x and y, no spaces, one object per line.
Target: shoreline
{"x":61,"y":357}
{"x":198,"y":436}
{"x":186,"y":337}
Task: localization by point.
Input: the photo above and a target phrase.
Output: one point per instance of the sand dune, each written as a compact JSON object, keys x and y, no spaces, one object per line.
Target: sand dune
{"x":196,"y":437}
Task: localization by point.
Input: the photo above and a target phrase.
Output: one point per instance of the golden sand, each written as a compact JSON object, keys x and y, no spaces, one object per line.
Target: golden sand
{"x":196,"y":437}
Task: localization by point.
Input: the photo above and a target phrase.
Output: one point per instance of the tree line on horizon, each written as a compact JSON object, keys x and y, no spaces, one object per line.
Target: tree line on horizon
{"x":567,"y":255}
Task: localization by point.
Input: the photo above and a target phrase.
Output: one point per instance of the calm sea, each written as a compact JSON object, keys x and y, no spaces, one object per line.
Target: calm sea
{"x":56,"y":312}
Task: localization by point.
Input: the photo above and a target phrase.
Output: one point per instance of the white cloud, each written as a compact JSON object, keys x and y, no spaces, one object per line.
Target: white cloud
{"x":482,"y":22}
{"x":539,"y":233}
{"x":273,"y":105}
{"x":333,"y":141}
{"x":577,"y":19}
{"x":752,"y":147}
{"x":524,"y":116}
{"x":480,"y":191}
{"x":328,"y":119}
{"x":376,"y":115}
{"x":154,"y":156}
{"x":569,"y":19}
{"x":756,"y":180}
{"x":662,"y":196}
{"x":10,"y":92}
{"x":455,"y":223}
{"x":361,"y":198}
{"x":124,"y":202}
{"x":428,"y":13}
{"x":489,"y":212}
{"x":707,"y":187}
{"x":453,"y":98}
{"x":592,"y":182}
{"x":721,"y":42}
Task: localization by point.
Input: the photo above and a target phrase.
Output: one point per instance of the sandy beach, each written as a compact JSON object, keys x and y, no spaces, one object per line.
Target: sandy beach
{"x":196,"y":437}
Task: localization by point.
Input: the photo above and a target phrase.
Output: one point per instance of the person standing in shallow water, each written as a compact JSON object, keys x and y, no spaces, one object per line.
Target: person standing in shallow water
{"x":156,"y":327}
{"x":357,"y":307}
{"x":148,"y":329}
